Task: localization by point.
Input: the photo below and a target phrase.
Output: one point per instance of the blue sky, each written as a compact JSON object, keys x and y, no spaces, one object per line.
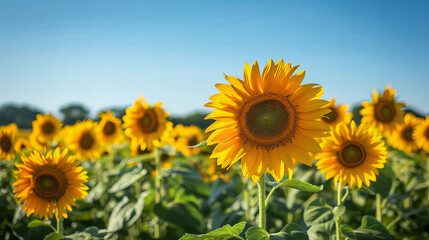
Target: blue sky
{"x":108,"y":53}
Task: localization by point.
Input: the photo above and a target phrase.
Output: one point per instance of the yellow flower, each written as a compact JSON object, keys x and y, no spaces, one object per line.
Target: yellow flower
{"x":146,"y":125}
{"x":352,"y":155}
{"x":8,"y":141}
{"x":37,"y":143}
{"x":402,"y":137}
{"x":21,"y":144}
{"x":214,"y":172}
{"x":49,"y":184}
{"x":83,"y":139}
{"x":109,"y":128}
{"x":338,"y":114}
{"x":384,"y":113}
{"x":421,"y":135}
{"x":184,"y":137}
{"x":266,"y":121}
{"x":46,"y":127}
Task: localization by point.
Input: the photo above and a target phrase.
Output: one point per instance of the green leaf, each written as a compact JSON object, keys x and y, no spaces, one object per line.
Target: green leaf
{"x":125,"y":215}
{"x":88,"y":233}
{"x":128,"y":179}
{"x":180,"y":214}
{"x":298,"y":184}
{"x":220,"y":187}
{"x":370,"y":229}
{"x":36,"y":222}
{"x":384,"y":181}
{"x":200,"y":145}
{"x":318,"y":211}
{"x":224,"y":233}
{"x":365,"y":189}
{"x":54,"y":236}
{"x":258,"y":233}
{"x":338,"y":211}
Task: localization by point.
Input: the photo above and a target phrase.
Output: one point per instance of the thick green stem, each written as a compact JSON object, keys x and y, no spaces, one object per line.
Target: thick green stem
{"x":378,"y":206}
{"x":158,"y":189}
{"x":60,"y":225}
{"x":337,"y":221}
{"x":427,"y":169}
{"x":262,"y":207}
{"x":246,"y":196}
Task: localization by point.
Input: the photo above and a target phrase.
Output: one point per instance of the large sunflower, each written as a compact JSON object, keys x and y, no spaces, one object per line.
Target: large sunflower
{"x":338,"y":114}
{"x":421,"y":135}
{"x":83,"y":139}
{"x":145,"y":125}
{"x":46,"y":127}
{"x":352,"y":155}
{"x":266,"y":121}
{"x":109,"y":128}
{"x":402,"y":137}
{"x":186,"y":136}
{"x":384,"y":112}
{"x":8,"y":141}
{"x":49,"y":184}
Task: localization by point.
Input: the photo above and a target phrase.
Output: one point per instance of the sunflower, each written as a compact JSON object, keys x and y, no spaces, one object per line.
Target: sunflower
{"x":266,"y":121}
{"x":49,"y":184}
{"x":83,"y":139}
{"x":384,"y":113}
{"x":421,"y":135}
{"x":145,"y":125}
{"x":8,"y":141}
{"x":402,"y":137}
{"x":109,"y":128}
{"x":214,"y":172}
{"x":46,"y":127}
{"x":184,"y":137}
{"x":338,"y":114}
{"x":37,"y":143}
{"x":21,"y":144}
{"x":352,"y":155}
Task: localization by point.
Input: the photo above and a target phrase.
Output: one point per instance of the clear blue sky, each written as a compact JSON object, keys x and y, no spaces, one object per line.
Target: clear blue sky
{"x":108,"y":53}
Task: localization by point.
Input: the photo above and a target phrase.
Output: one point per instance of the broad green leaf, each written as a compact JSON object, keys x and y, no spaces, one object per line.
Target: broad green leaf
{"x":54,"y":236}
{"x":258,"y":233}
{"x":128,"y":179}
{"x":365,"y":189}
{"x":88,"y":233}
{"x":224,"y":233}
{"x":125,"y":215}
{"x":219,"y":187}
{"x":370,"y":229}
{"x":36,"y":222}
{"x":298,"y":184}
{"x":338,"y":211}
{"x":318,"y":211}
{"x":180,"y":214}
{"x":384,"y":181}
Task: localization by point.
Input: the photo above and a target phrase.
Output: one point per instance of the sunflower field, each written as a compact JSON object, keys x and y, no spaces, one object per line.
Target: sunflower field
{"x":278,"y":162}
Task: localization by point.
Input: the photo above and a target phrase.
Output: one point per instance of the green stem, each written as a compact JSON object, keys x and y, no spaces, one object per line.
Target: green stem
{"x":337,"y":221}
{"x":246,"y":196}
{"x":262,"y":207}
{"x":60,"y":225}
{"x":158,"y":189}
{"x":378,"y":206}
{"x":427,"y":169}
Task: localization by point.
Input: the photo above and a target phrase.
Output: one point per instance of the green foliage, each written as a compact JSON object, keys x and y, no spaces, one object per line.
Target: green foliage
{"x":289,"y":232}
{"x":370,"y":229}
{"x":224,"y":233}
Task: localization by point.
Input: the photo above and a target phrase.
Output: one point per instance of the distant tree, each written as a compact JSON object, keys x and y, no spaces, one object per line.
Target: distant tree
{"x":117,"y":112}
{"x":196,"y":119}
{"x":415,"y":112}
{"x":74,"y":112}
{"x":356,"y":115}
{"x":23,"y":116}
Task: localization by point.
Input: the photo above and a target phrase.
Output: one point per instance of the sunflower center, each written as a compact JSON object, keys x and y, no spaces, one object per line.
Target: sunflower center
{"x":331,"y":116}
{"x":385,"y":111}
{"x":86,"y":141}
{"x":5,"y":144}
{"x":50,"y":183}
{"x":427,"y":133}
{"x":192,"y":141}
{"x":148,"y":122}
{"x":109,"y":128}
{"x":351,"y":154}
{"x":268,"y":120}
{"x":48,"y":127}
{"x":407,"y":134}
